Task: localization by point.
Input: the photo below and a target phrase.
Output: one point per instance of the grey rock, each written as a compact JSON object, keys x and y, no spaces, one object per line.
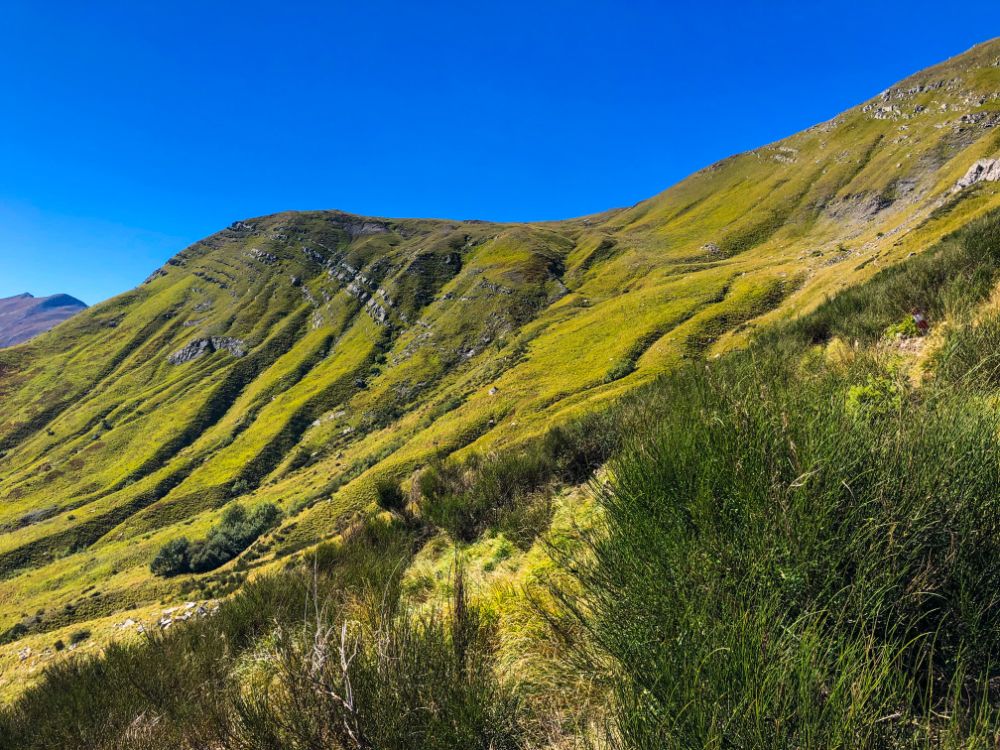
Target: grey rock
{"x":984,"y":170}
{"x":200,"y":347}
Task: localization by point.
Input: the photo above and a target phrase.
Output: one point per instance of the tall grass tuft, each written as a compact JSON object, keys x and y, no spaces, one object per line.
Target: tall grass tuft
{"x":386,"y":680}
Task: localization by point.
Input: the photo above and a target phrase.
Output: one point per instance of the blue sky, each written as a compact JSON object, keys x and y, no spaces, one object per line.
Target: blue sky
{"x":129,"y":130}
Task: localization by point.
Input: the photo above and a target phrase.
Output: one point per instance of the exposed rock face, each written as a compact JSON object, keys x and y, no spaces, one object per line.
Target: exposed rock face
{"x":24,"y":317}
{"x":200,"y":347}
{"x":263,"y":256}
{"x":362,"y":228}
{"x":984,"y":170}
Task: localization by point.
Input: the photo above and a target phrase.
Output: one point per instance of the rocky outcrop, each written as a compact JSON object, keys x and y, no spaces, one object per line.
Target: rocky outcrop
{"x":363,"y":287}
{"x":263,"y":256}
{"x":984,"y":170}
{"x":364,"y":228}
{"x":200,"y":347}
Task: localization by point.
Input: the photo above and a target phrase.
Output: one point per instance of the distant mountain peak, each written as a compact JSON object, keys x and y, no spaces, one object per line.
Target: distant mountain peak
{"x":59,"y":300}
{"x":25,"y":316}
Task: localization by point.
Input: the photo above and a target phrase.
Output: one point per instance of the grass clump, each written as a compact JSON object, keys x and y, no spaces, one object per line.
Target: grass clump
{"x":970,"y":356}
{"x":806,"y":554}
{"x":390,"y":682}
{"x":777,"y":573}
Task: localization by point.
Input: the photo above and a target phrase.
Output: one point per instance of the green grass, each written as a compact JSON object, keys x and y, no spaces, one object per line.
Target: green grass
{"x":236,"y":680}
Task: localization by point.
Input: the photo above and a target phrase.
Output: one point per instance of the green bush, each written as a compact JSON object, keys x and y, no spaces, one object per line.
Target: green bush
{"x":906,"y":329}
{"x":880,"y":396}
{"x":235,"y":532}
{"x":173,"y":558}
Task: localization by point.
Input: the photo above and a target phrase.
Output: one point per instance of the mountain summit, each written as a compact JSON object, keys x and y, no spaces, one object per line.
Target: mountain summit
{"x":24,"y":316}
{"x":303,"y":359}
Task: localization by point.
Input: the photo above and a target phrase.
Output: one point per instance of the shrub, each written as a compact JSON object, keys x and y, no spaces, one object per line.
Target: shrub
{"x":78,"y":636}
{"x":880,"y":396}
{"x":235,"y":532}
{"x":172,"y":559}
{"x":906,"y":329}
{"x":240,"y":487}
{"x":389,"y":495}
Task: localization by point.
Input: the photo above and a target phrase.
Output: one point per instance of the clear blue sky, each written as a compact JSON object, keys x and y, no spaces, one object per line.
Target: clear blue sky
{"x":130,"y":129}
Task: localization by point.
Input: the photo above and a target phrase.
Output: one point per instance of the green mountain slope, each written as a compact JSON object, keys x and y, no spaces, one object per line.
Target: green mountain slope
{"x":299,"y":358}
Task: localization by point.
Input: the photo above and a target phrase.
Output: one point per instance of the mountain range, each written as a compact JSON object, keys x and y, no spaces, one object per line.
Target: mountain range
{"x":303,"y":359}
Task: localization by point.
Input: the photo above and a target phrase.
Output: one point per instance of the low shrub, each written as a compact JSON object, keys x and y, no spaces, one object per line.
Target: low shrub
{"x":78,"y":636}
{"x":237,"y":530}
{"x":879,"y":396}
{"x":906,"y":329}
{"x":173,"y":558}
{"x":466,"y":497}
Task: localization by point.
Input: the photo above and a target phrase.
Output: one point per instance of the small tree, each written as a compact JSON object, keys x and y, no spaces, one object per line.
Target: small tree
{"x":173,"y":558}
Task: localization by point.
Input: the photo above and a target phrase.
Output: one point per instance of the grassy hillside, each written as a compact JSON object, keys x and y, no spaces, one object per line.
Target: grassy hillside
{"x":315,"y":361}
{"x":794,"y":546}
